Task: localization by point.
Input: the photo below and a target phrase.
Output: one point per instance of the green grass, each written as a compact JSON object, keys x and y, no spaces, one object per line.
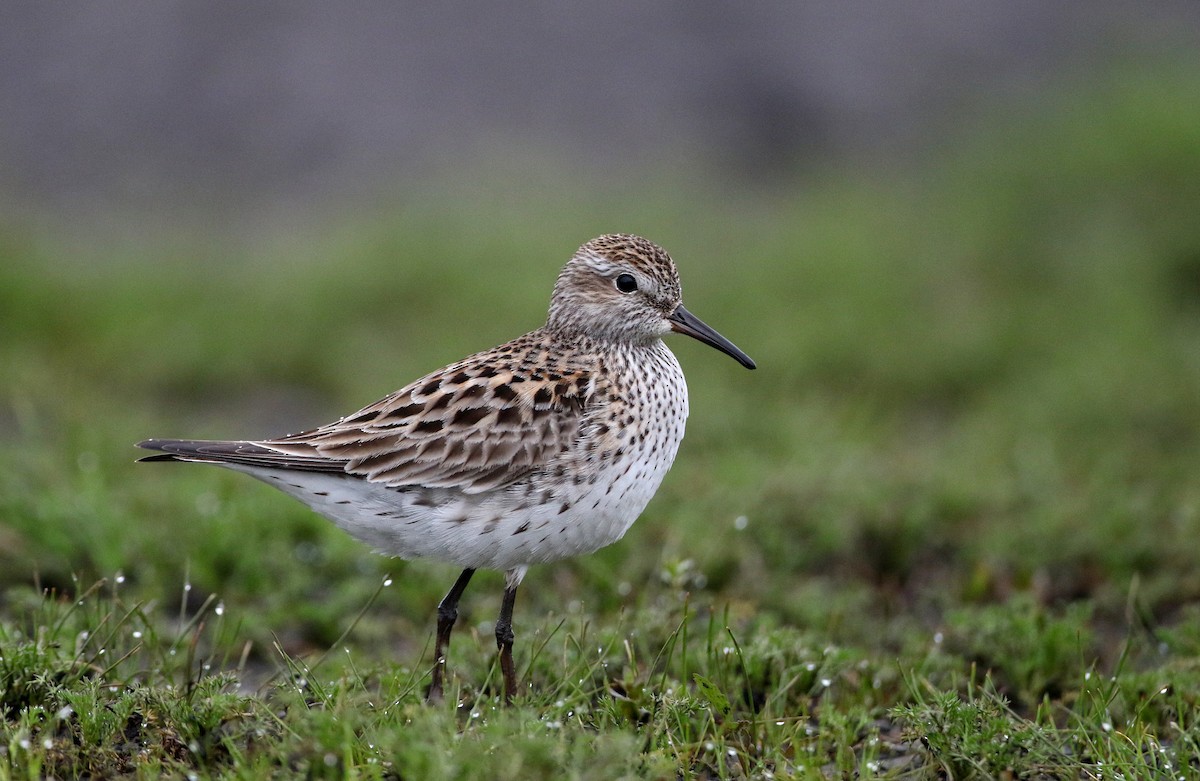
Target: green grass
{"x":947,"y":530}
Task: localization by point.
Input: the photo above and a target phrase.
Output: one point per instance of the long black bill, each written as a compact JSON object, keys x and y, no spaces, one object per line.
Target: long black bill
{"x":684,"y":322}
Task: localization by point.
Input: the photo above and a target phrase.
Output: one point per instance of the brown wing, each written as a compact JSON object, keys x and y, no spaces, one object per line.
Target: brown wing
{"x":472,"y":426}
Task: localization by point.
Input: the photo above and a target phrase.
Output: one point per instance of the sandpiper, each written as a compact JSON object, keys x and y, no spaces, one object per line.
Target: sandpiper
{"x":546,"y":447}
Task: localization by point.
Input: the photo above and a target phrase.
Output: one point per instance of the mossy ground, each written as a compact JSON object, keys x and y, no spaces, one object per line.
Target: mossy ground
{"x":948,"y":529}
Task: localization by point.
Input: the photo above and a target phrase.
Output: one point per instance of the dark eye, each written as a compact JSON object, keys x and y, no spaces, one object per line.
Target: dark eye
{"x":626,"y":283}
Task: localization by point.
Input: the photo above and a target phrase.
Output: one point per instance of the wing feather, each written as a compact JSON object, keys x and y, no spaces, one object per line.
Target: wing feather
{"x":472,"y":426}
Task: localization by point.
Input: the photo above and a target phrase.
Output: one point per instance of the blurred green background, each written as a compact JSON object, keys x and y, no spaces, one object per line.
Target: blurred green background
{"x":978,"y":336}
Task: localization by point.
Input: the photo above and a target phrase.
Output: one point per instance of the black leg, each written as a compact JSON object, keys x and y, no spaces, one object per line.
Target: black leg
{"x":447,"y":615}
{"x":504,"y":641}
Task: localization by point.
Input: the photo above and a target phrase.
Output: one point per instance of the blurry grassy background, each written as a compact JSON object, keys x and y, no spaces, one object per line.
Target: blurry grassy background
{"x":979,"y":385}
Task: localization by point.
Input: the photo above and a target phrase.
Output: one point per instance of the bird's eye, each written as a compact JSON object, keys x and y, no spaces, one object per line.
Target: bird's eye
{"x":626,"y":283}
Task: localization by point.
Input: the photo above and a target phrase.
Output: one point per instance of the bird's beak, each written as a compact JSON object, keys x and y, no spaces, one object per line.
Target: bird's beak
{"x":684,"y":322}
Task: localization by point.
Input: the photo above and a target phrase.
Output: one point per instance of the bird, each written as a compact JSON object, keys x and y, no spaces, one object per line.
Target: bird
{"x":543,"y":448}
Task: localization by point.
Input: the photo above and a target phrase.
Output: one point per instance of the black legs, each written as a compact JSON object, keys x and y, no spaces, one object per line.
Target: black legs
{"x":504,"y":641}
{"x":447,"y":615}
